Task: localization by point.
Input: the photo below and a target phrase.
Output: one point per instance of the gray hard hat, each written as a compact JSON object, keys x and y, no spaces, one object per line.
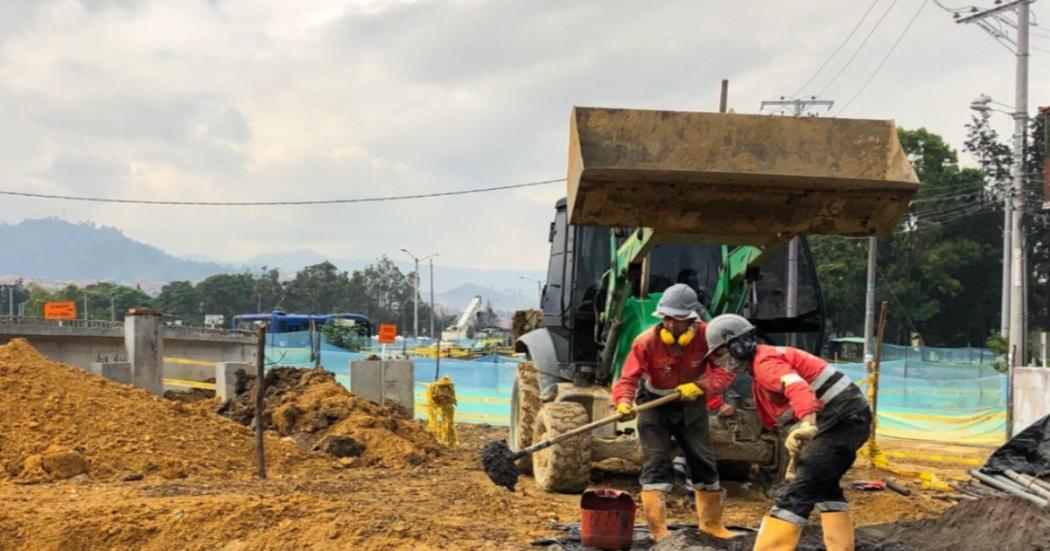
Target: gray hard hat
{"x":724,"y":328}
{"x":679,"y":302}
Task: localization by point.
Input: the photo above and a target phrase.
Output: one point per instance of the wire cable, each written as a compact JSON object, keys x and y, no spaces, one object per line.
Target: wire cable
{"x":900,"y":304}
{"x":276,"y":203}
{"x":886,"y":57}
{"x":858,"y":50}
{"x":946,"y":196}
{"x":837,"y":50}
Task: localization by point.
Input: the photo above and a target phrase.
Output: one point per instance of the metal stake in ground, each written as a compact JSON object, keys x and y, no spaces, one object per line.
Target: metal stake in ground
{"x":260,"y":393}
{"x":498,"y":460}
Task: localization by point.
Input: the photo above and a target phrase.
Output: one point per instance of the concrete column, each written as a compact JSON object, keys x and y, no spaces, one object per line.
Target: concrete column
{"x":226,"y":378}
{"x":145,"y":346}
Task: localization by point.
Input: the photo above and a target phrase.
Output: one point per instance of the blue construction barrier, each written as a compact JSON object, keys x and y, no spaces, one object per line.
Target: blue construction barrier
{"x":946,"y":401}
{"x":483,"y":386}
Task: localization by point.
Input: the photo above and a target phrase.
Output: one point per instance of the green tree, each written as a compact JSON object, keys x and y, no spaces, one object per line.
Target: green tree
{"x":318,"y":289}
{"x":226,"y":294}
{"x":269,"y":291}
{"x":180,"y":300}
{"x":112,"y":301}
{"x":940,"y":268}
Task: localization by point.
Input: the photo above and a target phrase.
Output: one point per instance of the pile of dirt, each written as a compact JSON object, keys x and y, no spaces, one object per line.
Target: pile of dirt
{"x":969,"y":526}
{"x":311,"y":408}
{"x":58,"y":422}
{"x":524,"y":321}
{"x":985,"y":524}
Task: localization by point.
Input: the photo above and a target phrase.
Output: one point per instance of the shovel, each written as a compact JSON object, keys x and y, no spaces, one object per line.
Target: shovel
{"x":498,"y":460}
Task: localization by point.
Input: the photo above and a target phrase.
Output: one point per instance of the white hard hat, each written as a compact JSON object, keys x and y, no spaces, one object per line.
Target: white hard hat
{"x":679,"y":302}
{"x":724,"y":328}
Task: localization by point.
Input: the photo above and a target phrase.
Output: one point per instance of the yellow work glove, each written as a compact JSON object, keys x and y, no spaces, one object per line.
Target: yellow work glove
{"x":689,"y":391}
{"x":626,"y":411}
{"x":799,"y":436}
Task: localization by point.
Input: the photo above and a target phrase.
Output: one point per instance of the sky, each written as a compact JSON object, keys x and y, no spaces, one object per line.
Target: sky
{"x":270,"y":100}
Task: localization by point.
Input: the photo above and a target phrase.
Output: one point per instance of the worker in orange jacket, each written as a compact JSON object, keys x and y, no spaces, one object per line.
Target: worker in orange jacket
{"x":669,"y":358}
{"x":827,"y":420}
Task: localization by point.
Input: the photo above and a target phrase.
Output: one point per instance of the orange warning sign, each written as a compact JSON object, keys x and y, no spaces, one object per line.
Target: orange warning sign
{"x":387,"y":333}
{"x":60,"y":310}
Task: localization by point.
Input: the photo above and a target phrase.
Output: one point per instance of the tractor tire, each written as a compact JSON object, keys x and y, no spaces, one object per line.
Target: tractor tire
{"x":770,"y":477}
{"x":525,"y":405}
{"x":563,"y":467}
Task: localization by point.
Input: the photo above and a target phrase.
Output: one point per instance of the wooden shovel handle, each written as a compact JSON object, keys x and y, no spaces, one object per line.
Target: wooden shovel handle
{"x":595,"y":424}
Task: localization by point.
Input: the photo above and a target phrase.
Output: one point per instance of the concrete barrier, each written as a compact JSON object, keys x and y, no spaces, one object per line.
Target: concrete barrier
{"x":226,"y":378}
{"x":1031,"y":388}
{"x":116,"y":371}
{"x":384,"y":381}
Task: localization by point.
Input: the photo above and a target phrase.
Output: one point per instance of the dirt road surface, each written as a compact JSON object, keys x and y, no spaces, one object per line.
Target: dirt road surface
{"x":447,"y":504}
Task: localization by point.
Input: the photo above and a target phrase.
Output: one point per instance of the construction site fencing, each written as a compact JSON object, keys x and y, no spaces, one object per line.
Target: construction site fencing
{"x":483,"y":385}
{"x":951,"y":395}
{"x":938,"y":394}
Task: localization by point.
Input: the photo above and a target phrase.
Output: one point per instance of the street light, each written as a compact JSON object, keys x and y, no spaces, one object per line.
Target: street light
{"x":983,"y":104}
{"x":415,"y":298}
{"x":539,"y":288}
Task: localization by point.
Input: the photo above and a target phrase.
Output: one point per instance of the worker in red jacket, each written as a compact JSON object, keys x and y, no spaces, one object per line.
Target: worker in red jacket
{"x":669,"y":358}
{"x":827,"y":420}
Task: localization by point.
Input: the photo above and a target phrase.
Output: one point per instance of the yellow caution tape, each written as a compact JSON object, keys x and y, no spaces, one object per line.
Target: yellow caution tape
{"x":484,"y":417}
{"x":950,"y":419}
{"x":189,"y":384}
{"x":971,"y":461}
{"x":187,"y":361}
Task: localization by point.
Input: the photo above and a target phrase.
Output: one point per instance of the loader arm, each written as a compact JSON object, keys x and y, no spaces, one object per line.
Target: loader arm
{"x":628,"y":263}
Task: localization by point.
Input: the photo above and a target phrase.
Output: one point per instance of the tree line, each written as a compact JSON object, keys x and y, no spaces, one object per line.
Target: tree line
{"x":381,"y":291}
{"x":941,"y":270}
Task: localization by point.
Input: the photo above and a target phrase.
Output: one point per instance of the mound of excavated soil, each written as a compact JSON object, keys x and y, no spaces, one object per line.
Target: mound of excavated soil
{"x":315,"y":411}
{"x":985,"y":524}
{"x":57,"y":422}
{"x":969,"y":526}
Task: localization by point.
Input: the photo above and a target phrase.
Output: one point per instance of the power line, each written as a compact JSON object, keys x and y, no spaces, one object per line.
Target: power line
{"x":951,"y":214}
{"x":947,"y":196}
{"x":276,"y":203}
{"x":886,"y":57}
{"x":837,"y":50}
{"x":859,"y":48}
{"x":900,"y":304}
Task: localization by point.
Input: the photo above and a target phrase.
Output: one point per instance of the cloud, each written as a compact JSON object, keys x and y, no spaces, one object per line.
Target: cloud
{"x":79,"y":173}
{"x":284,"y":100}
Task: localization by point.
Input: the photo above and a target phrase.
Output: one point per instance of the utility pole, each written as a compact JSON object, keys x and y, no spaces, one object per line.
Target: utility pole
{"x":869,"y":301}
{"x":415,"y":297}
{"x":431,"y":297}
{"x":797,"y":107}
{"x":415,"y":303}
{"x":995,"y":22}
{"x":85,"y":307}
{"x":539,"y":288}
{"x":791,"y":302}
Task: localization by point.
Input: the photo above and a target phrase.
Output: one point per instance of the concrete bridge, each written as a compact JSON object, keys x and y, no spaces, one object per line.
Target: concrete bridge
{"x":185,"y":354}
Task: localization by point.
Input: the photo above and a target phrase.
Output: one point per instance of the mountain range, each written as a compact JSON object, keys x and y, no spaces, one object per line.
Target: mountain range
{"x":56,"y":251}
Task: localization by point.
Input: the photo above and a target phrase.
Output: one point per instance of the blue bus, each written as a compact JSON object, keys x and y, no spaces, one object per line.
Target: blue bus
{"x":283,"y":322}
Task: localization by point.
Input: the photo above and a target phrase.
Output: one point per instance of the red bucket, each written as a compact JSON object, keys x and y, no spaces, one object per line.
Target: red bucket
{"x":607,"y":518}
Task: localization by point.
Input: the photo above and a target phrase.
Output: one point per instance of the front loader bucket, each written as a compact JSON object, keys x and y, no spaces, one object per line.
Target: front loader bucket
{"x":736,"y":178}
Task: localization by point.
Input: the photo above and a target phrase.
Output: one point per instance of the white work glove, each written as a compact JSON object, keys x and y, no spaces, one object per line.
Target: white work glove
{"x":800,"y":436}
